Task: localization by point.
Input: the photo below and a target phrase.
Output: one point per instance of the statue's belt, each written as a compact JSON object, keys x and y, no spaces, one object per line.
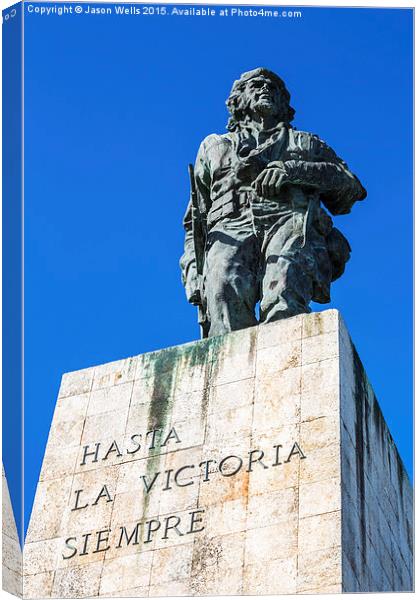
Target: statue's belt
{"x":232,"y":201}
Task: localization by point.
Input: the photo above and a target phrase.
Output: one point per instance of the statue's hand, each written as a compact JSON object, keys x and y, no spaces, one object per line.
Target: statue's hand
{"x":192,"y":288}
{"x":269,"y":181}
{"x":195,"y":298}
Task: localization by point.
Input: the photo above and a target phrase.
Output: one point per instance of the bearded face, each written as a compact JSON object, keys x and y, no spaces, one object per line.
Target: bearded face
{"x":258,"y":96}
{"x":264,"y":97}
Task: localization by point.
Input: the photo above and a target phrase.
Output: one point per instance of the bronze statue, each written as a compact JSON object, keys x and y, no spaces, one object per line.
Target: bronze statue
{"x":256,"y":229}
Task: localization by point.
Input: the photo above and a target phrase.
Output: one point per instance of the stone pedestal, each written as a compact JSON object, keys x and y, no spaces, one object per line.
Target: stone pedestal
{"x":253,"y":463}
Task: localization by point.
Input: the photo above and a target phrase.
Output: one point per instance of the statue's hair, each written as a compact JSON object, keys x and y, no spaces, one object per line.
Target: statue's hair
{"x":238,"y":105}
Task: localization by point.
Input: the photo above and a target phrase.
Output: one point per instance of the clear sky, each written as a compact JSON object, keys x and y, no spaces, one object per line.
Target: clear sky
{"x":115,"y":108}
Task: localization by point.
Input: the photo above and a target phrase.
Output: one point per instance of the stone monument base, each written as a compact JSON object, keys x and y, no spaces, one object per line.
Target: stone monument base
{"x":257,"y":462}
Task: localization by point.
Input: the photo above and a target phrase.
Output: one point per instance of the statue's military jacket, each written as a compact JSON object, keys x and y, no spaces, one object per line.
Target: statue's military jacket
{"x":227,"y":165}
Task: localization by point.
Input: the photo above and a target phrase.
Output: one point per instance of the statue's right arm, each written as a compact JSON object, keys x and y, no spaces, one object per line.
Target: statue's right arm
{"x":189,"y":275}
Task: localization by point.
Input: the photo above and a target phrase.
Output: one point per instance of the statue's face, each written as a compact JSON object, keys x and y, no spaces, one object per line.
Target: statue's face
{"x":264,"y":96}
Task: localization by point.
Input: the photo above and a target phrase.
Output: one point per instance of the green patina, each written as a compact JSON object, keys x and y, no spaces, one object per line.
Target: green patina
{"x":166,"y":366}
{"x":163,"y":367}
{"x":214,"y":346}
{"x":253,"y":343}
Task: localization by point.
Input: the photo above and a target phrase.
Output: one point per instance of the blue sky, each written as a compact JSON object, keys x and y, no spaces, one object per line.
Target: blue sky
{"x":115,"y":108}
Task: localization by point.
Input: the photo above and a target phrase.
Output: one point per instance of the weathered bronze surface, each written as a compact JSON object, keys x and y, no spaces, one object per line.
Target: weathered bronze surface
{"x":256,"y":226}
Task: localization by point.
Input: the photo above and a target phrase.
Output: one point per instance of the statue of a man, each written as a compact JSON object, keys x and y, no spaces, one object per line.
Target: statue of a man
{"x":256,"y":226}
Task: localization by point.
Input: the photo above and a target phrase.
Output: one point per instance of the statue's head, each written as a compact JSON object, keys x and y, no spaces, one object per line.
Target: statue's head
{"x":258,"y":92}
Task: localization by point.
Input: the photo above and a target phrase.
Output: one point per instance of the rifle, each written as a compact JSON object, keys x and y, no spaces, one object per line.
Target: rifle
{"x":199,"y":240}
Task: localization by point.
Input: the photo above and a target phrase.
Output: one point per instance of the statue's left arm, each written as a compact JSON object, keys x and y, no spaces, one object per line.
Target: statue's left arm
{"x":188,"y":262}
{"x":323,"y":170}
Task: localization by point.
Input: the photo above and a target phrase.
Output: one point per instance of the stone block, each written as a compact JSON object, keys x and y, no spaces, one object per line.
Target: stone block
{"x":319,"y":347}
{"x":12,"y":573}
{"x":270,"y":361}
{"x":126,"y":572}
{"x":43,"y":556}
{"x":77,"y":582}
{"x":100,"y":400}
{"x":76,"y":383}
{"x":289,"y":329}
{"x":37,"y":586}
{"x":319,"y":532}
{"x":272,"y":577}
{"x":277,"y":400}
{"x":279,"y":541}
{"x":114,"y":373}
{"x":319,"y":497}
{"x":319,"y":568}
{"x":171,"y":564}
{"x":53,"y":497}
{"x":230,"y":396}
